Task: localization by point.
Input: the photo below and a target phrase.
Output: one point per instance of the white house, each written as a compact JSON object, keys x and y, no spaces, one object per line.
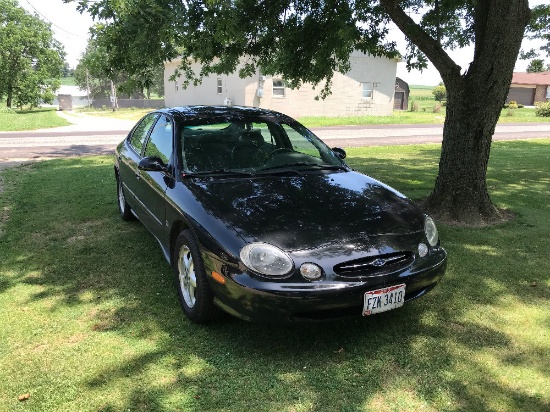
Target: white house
{"x":367,"y":88}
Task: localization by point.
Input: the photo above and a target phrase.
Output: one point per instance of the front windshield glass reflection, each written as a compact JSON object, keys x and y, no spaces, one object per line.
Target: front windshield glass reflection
{"x":252,"y":145}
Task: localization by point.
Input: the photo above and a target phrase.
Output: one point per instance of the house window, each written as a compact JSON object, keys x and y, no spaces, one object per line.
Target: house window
{"x":548,"y":92}
{"x":367,"y":91}
{"x":278,"y":87}
{"x":219,"y":86}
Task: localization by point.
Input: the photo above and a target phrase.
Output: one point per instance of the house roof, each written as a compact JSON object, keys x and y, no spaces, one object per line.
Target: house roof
{"x":539,"y":79}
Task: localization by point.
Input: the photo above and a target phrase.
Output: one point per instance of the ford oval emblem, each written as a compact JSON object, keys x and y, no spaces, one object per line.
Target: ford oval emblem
{"x":378,"y":262}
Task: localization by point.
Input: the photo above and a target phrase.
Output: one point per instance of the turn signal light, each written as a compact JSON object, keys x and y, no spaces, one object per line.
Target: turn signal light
{"x":218,"y":278}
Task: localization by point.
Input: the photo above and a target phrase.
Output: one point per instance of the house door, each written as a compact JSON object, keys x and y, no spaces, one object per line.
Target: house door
{"x":398,"y":100}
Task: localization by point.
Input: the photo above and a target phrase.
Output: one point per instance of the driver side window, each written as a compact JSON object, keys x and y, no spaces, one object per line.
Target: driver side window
{"x":140,"y":132}
{"x":160,"y":142}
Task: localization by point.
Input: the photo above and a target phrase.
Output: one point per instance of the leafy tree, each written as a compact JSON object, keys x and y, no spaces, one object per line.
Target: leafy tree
{"x":306,"y":41}
{"x":539,"y":27}
{"x":439,"y":92}
{"x":95,"y":71}
{"x":67,"y":70}
{"x":535,"y":66}
{"x":91,"y":75}
{"x":31,"y":60}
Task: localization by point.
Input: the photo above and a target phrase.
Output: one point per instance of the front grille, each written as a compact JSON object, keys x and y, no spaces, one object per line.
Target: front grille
{"x":378,"y":265}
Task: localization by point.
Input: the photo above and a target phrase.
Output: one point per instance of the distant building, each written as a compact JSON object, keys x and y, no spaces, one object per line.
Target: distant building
{"x":79,"y":97}
{"x":528,"y":88}
{"x":401,"y":96}
{"x":368,"y":88}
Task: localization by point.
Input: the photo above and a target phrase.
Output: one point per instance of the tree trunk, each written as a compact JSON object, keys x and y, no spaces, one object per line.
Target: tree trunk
{"x":474,"y":103}
{"x":460,"y":194}
{"x":9,"y":99}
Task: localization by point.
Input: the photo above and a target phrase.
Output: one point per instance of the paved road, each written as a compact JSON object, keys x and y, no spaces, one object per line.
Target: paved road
{"x":92,"y":135}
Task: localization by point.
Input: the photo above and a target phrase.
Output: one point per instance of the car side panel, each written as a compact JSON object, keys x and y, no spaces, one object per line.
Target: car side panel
{"x":128,"y":161}
{"x":149,"y":194}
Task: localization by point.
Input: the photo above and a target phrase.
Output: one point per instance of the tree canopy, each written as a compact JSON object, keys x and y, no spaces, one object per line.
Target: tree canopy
{"x":307,"y":41}
{"x":95,"y":73}
{"x":31,"y":60}
{"x":536,"y":65}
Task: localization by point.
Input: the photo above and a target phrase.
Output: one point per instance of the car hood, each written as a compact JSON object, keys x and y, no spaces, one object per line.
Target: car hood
{"x":307,"y":211}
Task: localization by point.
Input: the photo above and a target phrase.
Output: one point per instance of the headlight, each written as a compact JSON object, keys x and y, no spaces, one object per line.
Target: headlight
{"x":266,"y":259}
{"x":431,"y":231}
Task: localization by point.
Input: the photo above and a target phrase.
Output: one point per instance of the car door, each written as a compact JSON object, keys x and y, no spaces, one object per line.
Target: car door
{"x":130,"y":156}
{"x":150,"y":193}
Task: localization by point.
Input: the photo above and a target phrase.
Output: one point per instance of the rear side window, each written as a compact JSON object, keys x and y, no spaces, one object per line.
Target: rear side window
{"x":160,"y":142}
{"x":140,"y":132}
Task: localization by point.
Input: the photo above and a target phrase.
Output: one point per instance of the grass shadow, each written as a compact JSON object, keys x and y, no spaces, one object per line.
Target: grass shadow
{"x":102,"y":329}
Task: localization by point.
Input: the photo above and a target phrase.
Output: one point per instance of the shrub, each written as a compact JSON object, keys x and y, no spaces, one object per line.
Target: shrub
{"x":414,"y":106}
{"x":7,"y":110}
{"x":439,"y":92}
{"x":437,"y":108}
{"x":542,"y":109}
{"x":512,"y":104}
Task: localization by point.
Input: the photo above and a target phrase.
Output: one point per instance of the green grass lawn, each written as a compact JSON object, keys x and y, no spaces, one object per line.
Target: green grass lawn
{"x":90,"y":318}
{"x":68,"y":81}
{"x":29,"y":119}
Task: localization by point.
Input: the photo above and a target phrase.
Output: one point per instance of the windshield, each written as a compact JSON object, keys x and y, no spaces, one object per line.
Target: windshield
{"x":252,"y":146}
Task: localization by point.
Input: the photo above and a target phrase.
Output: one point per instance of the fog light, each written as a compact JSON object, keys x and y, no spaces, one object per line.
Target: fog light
{"x":422,"y":249}
{"x":310,"y":271}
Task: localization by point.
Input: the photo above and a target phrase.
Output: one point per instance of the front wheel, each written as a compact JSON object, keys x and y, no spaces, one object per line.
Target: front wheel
{"x":123,"y":206}
{"x":194,"y":293}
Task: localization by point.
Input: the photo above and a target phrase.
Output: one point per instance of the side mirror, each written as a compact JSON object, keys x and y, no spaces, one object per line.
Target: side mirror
{"x":152,"y":164}
{"x":338,"y":151}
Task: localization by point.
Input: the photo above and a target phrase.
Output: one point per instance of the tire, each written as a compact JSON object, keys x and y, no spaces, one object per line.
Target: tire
{"x":123,"y":206}
{"x":194,"y":293}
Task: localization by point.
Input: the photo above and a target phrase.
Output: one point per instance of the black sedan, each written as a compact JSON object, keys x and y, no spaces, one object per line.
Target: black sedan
{"x":261,"y":219}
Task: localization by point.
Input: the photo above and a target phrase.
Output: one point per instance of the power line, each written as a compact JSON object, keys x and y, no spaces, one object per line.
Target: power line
{"x":52,"y":23}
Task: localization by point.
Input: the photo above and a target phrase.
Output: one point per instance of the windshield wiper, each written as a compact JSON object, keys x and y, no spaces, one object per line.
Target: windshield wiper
{"x":216,"y":172}
{"x":289,"y":166}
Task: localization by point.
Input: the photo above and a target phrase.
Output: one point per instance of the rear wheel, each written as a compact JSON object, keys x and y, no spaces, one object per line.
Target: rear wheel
{"x":123,"y":206}
{"x":194,"y":293}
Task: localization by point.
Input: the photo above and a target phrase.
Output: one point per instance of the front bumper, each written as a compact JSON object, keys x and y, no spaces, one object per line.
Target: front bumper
{"x":253,"y":298}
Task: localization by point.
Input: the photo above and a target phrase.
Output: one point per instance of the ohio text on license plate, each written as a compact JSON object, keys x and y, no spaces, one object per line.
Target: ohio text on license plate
{"x":381,"y":300}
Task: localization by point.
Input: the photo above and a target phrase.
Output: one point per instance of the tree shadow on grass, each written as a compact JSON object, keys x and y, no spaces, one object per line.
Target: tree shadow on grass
{"x":79,"y":256}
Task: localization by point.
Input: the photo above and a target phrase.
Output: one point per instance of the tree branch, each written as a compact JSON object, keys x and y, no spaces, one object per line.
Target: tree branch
{"x":430,"y":47}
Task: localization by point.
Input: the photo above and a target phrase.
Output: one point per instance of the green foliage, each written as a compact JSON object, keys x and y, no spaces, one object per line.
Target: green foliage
{"x":535,"y":66}
{"x":439,"y":92}
{"x":539,"y":27}
{"x":7,"y":110}
{"x":542,"y":109}
{"x":95,"y":72}
{"x":31,"y":60}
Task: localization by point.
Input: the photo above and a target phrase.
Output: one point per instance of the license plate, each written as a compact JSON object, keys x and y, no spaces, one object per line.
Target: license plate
{"x":381,"y":300}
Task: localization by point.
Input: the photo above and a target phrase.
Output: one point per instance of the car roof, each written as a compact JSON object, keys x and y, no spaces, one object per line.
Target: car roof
{"x":187,"y":113}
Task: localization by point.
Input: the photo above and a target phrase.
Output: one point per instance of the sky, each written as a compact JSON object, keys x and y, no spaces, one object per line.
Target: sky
{"x":71,"y":29}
